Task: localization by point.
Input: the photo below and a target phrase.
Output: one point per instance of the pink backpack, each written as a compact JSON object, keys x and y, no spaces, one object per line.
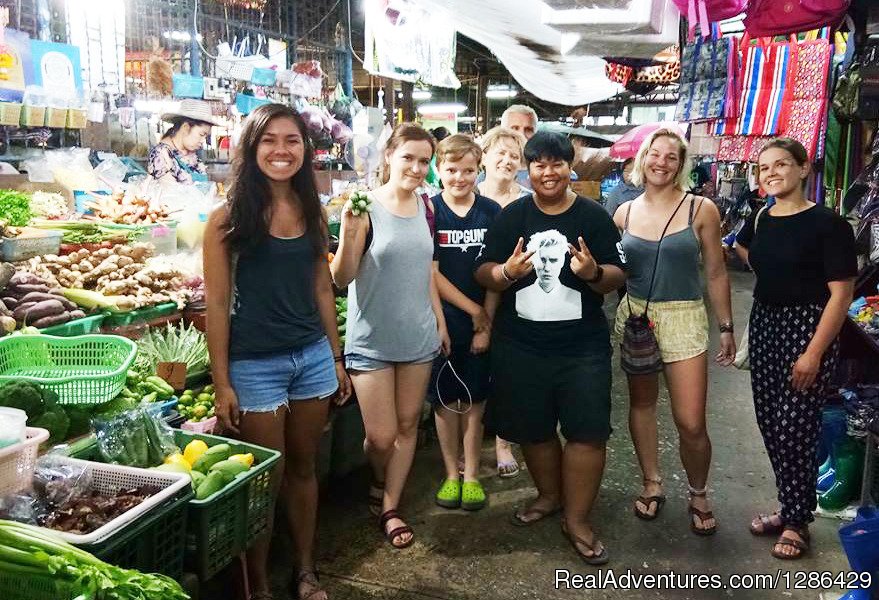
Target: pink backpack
{"x":782,"y":17}
{"x":705,"y":12}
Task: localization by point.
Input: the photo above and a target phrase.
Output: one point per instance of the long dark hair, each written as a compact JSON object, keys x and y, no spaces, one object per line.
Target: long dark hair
{"x":249,"y":194}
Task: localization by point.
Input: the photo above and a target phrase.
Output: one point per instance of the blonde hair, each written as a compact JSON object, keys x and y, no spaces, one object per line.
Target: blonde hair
{"x":455,"y":147}
{"x":405,"y":132}
{"x":493,"y":135}
{"x":682,"y":179}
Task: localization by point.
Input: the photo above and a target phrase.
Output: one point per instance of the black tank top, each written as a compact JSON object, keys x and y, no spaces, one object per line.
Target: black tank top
{"x":273,"y":305}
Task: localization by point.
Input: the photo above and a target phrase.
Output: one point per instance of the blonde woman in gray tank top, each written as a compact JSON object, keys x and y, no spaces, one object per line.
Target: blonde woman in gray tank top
{"x":395,"y":319}
{"x":677,"y":311}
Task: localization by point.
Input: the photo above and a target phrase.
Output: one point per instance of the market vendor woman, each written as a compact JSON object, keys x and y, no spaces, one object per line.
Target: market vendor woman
{"x":174,"y":158}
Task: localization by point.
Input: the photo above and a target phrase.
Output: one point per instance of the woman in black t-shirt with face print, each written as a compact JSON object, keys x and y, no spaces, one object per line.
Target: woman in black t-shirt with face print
{"x":805,"y":261}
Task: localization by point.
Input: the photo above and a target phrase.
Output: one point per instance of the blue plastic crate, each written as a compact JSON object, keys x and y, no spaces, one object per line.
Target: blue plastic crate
{"x":188,"y":86}
{"x":263,"y":76}
{"x":246,"y":104}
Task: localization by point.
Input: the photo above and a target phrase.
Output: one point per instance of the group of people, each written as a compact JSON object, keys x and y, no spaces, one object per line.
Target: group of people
{"x":492,"y":294}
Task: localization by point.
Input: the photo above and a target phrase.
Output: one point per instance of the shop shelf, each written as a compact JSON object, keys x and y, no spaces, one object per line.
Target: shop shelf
{"x":86,"y":369}
{"x":83,"y":326}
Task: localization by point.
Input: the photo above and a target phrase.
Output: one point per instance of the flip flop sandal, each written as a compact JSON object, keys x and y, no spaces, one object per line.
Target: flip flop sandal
{"x":507,"y":469}
{"x":309,"y":578}
{"x":601,"y":558}
{"x":472,"y":496}
{"x":647,"y":501}
{"x":397,"y":531}
{"x":767,"y":527}
{"x":449,"y":494}
{"x":700,"y":514}
{"x":517,"y":517}
{"x":801,"y":546}
{"x":375,"y":501}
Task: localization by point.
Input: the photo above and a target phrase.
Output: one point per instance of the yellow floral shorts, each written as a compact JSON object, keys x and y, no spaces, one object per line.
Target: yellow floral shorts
{"x":681,"y":326}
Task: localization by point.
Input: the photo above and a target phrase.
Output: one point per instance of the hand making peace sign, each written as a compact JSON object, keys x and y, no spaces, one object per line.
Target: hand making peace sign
{"x":519,"y":264}
{"x":583,"y":264}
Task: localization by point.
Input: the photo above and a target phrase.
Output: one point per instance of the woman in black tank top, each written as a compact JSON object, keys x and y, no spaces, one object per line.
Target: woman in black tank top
{"x":272,"y":330}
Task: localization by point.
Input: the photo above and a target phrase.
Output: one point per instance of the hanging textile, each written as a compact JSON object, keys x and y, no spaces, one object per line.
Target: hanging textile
{"x":740,"y":148}
{"x":805,"y":110}
{"x":705,"y":78}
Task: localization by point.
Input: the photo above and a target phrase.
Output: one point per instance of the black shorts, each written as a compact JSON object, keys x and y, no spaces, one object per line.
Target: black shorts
{"x":532,"y":394}
{"x":473,"y":371}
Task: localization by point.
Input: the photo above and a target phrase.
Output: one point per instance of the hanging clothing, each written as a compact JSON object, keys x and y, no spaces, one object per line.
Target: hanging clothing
{"x":789,"y":421}
{"x":164,"y":159}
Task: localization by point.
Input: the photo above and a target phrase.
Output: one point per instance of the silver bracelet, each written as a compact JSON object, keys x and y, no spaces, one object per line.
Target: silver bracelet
{"x":506,"y":275}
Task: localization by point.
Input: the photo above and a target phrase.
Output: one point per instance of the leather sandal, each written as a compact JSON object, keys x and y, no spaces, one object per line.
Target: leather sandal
{"x":767,"y":526}
{"x":658,"y":499}
{"x":397,"y":531}
{"x":310,"y":578}
{"x":596,"y":558}
{"x":801,"y":546}
{"x":702,"y":515}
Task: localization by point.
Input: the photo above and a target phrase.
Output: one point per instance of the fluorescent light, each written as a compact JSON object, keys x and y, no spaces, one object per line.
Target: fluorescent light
{"x":179,"y":36}
{"x":434,"y":109}
{"x":466,"y":119}
{"x":422,"y":95}
{"x":498,"y":94}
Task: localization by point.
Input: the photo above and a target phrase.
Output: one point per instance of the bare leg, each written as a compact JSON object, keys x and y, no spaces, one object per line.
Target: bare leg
{"x":472,"y":422}
{"x":305,"y":425}
{"x":448,"y":431}
{"x":375,"y":393}
{"x":582,"y":470}
{"x":545,"y":465}
{"x":264,"y":429}
{"x":688,"y":387}
{"x":643,"y":395}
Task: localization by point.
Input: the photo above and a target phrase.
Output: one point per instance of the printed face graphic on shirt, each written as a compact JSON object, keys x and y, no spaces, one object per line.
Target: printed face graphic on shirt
{"x":547,"y":299}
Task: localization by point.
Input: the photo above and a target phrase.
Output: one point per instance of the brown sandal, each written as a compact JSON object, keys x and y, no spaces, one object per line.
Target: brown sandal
{"x":309,"y":577}
{"x":396,"y":532}
{"x":702,"y":515}
{"x":659,"y":499}
{"x":596,"y":558}
{"x":802,"y":546}
{"x":767,"y":527}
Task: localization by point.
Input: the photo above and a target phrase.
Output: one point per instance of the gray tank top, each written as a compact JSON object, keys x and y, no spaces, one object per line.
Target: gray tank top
{"x":390,"y":315}
{"x":677,"y":272}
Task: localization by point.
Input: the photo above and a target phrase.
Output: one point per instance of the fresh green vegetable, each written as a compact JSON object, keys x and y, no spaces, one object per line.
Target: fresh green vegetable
{"x":80,"y":420}
{"x":23,"y":395}
{"x":83,"y":232}
{"x":174,"y":343}
{"x":56,"y":421}
{"x":15,"y":208}
{"x":33,"y":552}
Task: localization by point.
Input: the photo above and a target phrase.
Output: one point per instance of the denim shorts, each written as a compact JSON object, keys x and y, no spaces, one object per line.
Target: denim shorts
{"x":358,"y":362}
{"x":267,"y":383}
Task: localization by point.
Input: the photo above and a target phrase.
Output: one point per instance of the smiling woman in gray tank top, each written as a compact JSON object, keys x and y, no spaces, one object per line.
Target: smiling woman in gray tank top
{"x":395,"y":320}
{"x":666,"y":231}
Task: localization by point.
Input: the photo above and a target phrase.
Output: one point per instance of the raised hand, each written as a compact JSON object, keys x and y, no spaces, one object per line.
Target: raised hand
{"x":582,"y":262}
{"x":519,"y":264}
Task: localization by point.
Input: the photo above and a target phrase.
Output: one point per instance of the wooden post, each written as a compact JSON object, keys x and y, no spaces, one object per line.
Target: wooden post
{"x":390,"y":100}
{"x":407,"y":104}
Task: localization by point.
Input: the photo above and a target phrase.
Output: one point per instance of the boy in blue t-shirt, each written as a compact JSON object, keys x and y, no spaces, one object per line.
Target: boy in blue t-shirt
{"x":461,"y":220}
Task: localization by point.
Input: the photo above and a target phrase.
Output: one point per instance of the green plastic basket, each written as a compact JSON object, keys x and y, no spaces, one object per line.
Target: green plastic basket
{"x":15,"y":587}
{"x":140,"y":315}
{"x":82,"y":326}
{"x":224,"y":525}
{"x":87,"y":369}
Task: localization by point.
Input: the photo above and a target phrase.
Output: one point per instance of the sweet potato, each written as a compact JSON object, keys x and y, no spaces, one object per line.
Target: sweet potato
{"x":23,"y":277}
{"x":23,"y":289}
{"x":21,"y":310}
{"x":51,"y":320}
{"x":46,"y":308}
{"x":77,"y":314}
{"x":10,"y":302}
{"x":39,"y":297}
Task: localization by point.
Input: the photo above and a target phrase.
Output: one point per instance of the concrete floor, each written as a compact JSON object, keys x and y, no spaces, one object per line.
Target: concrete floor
{"x":469,"y":556}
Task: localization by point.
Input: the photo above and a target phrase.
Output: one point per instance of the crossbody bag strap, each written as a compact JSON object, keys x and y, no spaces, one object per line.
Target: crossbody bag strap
{"x":658,"y":246}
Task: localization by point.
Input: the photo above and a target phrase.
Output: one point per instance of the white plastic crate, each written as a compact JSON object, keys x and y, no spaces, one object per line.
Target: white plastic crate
{"x":18,"y":460}
{"x":109,"y":479}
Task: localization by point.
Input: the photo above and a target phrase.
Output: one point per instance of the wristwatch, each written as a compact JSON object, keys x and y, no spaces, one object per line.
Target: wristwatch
{"x":726,"y":327}
{"x":599,"y":273}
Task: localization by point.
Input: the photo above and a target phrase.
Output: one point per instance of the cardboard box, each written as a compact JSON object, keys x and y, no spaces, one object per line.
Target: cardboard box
{"x":587,"y":189}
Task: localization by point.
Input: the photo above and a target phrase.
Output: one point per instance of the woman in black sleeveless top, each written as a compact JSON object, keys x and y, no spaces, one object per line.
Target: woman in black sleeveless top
{"x":272,"y":321}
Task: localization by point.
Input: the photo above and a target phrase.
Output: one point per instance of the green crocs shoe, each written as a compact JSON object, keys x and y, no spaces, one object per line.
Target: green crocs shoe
{"x":472,"y":496}
{"x":449,"y":495}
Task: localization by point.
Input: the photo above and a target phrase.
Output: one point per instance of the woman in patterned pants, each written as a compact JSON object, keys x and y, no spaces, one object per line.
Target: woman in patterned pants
{"x":804,"y":258}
